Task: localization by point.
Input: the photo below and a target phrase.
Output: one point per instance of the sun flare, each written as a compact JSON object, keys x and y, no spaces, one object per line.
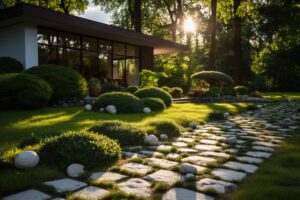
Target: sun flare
{"x":189,"y":25}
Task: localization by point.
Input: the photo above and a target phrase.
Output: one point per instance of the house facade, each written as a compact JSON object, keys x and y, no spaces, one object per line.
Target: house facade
{"x":37,"y":36}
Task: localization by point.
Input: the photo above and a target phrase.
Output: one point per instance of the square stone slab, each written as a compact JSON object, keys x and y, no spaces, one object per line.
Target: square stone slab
{"x":215,"y":154}
{"x":132,"y":155}
{"x":136,"y":168}
{"x":164,"y":148}
{"x":106,"y":176}
{"x":187,"y":150}
{"x":204,"y":147}
{"x":179,"y":144}
{"x":28,"y":195}
{"x":258,"y":154}
{"x":199,"y":160}
{"x":136,"y":186}
{"x":199,"y":169}
{"x":249,"y":159}
{"x":165,"y":176}
{"x":266,"y":144}
{"x":187,"y":140}
{"x":151,"y":153}
{"x":184,"y":194}
{"x":162,"y":163}
{"x":65,"y":185}
{"x":240,"y":166}
{"x":220,"y":187}
{"x":229,"y":175}
{"x":91,"y":193}
{"x":261,"y":148}
{"x":173,"y":156}
{"x":205,"y":141}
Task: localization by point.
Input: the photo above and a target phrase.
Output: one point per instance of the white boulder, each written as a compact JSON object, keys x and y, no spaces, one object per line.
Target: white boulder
{"x":88,"y":107}
{"x":75,"y":170}
{"x":147,"y":110}
{"x":231,"y":140}
{"x":111,"y":109}
{"x":26,"y":159}
{"x":188,"y":169}
{"x":193,"y":125}
{"x":163,"y":136}
{"x":151,"y":140}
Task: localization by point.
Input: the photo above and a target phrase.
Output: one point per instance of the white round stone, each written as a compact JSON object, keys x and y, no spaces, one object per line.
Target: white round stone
{"x":101,"y":110}
{"x":188,"y":169}
{"x":88,"y":107}
{"x":231,"y":140}
{"x":75,"y":170}
{"x":26,"y":159}
{"x":163,"y":136}
{"x":189,"y":177}
{"x":226,"y":114}
{"x":147,"y":110}
{"x":193,"y":125}
{"x":151,"y":140}
{"x":111,"y":109}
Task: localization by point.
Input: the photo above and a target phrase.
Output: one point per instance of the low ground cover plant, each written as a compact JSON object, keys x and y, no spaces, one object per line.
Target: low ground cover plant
{"x":167,"y":127}
{"x":176,"y":92}
{"x":155,"y":93}
{"x":10,"y":65}
{"x":155,"y":104}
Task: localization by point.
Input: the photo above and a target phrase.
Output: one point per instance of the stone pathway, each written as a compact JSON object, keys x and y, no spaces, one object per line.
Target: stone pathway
{"x":214,"y":158}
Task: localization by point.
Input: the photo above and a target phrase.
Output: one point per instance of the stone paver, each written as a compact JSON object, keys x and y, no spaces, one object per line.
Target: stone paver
{"x":165,"y":176}
{"x":151,"y":153}
{"x":91,"y":193}
{"x":162,"y":163}
{"x":240,"y":166}
{"x":28,"y":195}
{"x":205,"y":141}
{"x":106,"y":176}
{"x":199,"y":160}
{"x":229,"y":175}
{"x":215,"y":154}
{"x":136,"y":168}
{"x":136,"y":186}
{"x":184,"y":194}
{"x":220,"y":187}
{"x":179,"y":144}
{"x":261,"y":148}
{"x":258,"y":154}
{"x":204,"y":147}
{"x":173,"y":156}
{"x":187,"y":150}
{"x":249,"y":159}
{"x":65,"y":185}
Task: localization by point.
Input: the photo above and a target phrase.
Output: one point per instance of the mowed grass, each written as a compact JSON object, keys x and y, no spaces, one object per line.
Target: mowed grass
{"x":282,"y":95}
{"x":278,"y":178}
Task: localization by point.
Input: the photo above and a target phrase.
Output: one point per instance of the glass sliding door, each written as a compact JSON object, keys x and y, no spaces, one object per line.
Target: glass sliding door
{"x":132,"y":65}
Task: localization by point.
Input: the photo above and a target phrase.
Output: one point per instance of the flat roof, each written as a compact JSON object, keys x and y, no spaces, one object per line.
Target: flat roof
{"x":25,"y":13}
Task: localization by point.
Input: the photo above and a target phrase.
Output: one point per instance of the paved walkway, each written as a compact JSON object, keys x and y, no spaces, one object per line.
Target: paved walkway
{"x":213,"y":159}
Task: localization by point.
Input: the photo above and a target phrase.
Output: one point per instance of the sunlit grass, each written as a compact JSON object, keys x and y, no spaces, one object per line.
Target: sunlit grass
{"x":282,"y":95}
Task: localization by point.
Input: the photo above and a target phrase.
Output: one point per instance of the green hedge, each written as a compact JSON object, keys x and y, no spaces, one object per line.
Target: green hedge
{"x":155,"y":104}
{"x":132,"y":89}
{"x":19,"y":90}
{"x":10,"y":65}
{"x":167,"y":127}
{"x":109,"y":87}
{"x":124,"y":102}
{"x":65,"y":82}
{"x":125,"y":133}
{"x":155,"y":93}
{"x":241,"y":90}
{"x":90,"y":149}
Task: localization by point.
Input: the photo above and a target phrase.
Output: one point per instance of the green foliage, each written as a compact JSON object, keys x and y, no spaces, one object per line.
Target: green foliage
{"x":149,"y":78}
{"x":196,"y":91}
{"x":66,"y":83}
{"x":241,"y":90}
{"x":155,"y":104}
{"x":110,"y":87}
{"x":23,"y":91}
{"x":125,"y":133}
{"x":124,"y":102}
{"x":8,"y":156}
{"x":167,"y":127}
{"x":90,"y":149}
{"x":156,"y":93}
{"x":216,"y":115}
{"x":211,"y":93}
{"x":228,"y":91}
{"x":214,"y":78}
{"x":256,"y":94}
{"x":167,"y":89}
{"x":132,"y":89}
{"x":252,"y":107}
{"x":176,"y":92}
{"x":94,"y":83}
{"x":10,"y":65}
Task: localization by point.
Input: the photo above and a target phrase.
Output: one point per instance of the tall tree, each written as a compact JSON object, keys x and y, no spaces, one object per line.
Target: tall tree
{"x":211,"y":60}
{"x":138,"y":16}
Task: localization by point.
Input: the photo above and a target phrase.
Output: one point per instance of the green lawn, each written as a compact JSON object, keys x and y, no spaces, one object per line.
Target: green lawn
{"x":282,"y":95}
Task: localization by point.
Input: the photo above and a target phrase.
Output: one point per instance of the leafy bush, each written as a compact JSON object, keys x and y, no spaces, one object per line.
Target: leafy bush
{"x":124,"y":102}
{"x":66,"y":83}
{"x":167,"y":89}
{"x":155,"y":104}
{"x":23,"y":91}
{"x":252,"y":107}
{"x":8,"y":156}
{"x":10,"y":65}
{"x":176,"y":92}
{"x":216,"y":115}
{"x":156,"y":93}
{"x":211,"y":93}
{"x":89,"y":149}
{"x":149,"y":78}
{"x":228,"y":91}
{"x":256,"y":94}
{"x":196,"y":91}
{"x":109,"y":87}
{"x":241,"y":90}
{"x":214,"y":78}
{"x":167,"y":127}
{"x":125,"y":133}
{"x":132,"y":89}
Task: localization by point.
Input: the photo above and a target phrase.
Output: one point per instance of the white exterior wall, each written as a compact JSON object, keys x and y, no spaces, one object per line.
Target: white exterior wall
{"x":20,"y":42}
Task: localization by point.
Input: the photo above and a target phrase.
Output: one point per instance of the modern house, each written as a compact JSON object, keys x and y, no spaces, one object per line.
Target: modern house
{"x":35,"y":35}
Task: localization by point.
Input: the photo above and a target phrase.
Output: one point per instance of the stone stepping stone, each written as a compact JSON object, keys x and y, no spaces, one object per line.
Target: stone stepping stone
{"x":136,"y":186}
{"x":31,"y":194}
{"x":258,"y":154}
{"x":262,"y":148}
{"x":228,"y":175}
{"x":266,"y":144}
{"x":249,"y":159}
{"x":132,"y":155}
{"x":187,"y":140}
{"x":151,"y":153}
{"x":163,"y":148}
{"x":58,"y":198}
{"x":173,"y":156}
{"x":107,"y":176}
{"x":134,"y":148}
{"x":179,"y":144}
{"x":185,"y":194}
{"x":231,"y":150}
{"x":65,"y":185}
{"x":91,"y":193}
{"x":240,"y":166}
{"x":220,"y":187}
{"x":204,"y":147}
{"x":162,"y":163}
{"x":205,"y":141}
{"x":165,"y":176}
{"x":199,"y":160}
{"x":187,"y":150}
{"x":215,"y":154}
{"x":136,"y":168}
{"x":198,"y":169}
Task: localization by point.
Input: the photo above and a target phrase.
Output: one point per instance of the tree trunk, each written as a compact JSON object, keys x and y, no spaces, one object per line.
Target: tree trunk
{"x":180,"y":17}
{"x":211,"y":60}
{"x":138,"y":16}
{"x":237,"y":65}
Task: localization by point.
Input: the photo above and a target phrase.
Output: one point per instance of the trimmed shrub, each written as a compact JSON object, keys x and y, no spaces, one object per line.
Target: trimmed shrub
{"x":167,"y":89}
{"x":156,"y":93}
{"x":176,"y":92}
{"x":10,"y":65}
{"x":124,"y":102}
{"x":66,"y":83}
{"x":216,"y":115}
{"x":252,"y":107}
{"x":228,"y":91}
{"x":241,"y":90}
{"x":196,"y":91}
{"x":167,"y":127}
{"x":132,"y":89}
{"x":23,"y":91}
{"x":214,"y":78}
{"x":211,"y":93}
{"x":256,"y":94}
{"x":109,"y":87}
{"x":155,"y":104}
{"x":89,"y":149}
{"x":8,"y":156}
{"x":125,"y":133}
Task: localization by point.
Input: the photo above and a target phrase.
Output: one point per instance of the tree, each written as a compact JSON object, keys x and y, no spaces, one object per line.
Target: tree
{"x":211,"y":60}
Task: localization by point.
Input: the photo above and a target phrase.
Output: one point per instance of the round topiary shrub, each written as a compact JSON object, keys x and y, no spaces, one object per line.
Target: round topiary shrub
{"x":89,"y":149}
{"x":176,"y":92}
{"x":211,"y":93}
{"x":109,"y":87}
{"x":125,"y":133}
{"x":167,"y":89}
{"x":132,"y":89}
{"x":123,"y":101}
{"x":155,"y":104}
{"x":216,"y":115}
{"x":66,"y":83}
{"x":23,"y":91}
{"x":10,"y":65}
{"x":167,"y":127}
{"x":155,"y":93}
{"x":241,"y":90}
{"x":214,"y":78}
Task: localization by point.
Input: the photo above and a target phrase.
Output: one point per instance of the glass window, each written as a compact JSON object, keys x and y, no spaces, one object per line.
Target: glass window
{"x":46,"y":36}
{"x":132,"y":51}
{"x":105,"y":46}
{"x":119,"y":49}
{"x":105,"y":72}
{"x":69,"y":40}
{"x":47,"y":54}
{"x":132,"y":71}
{"x":69,"y":57}
{"x":90,"y":64}
{"x":89,"y":44}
